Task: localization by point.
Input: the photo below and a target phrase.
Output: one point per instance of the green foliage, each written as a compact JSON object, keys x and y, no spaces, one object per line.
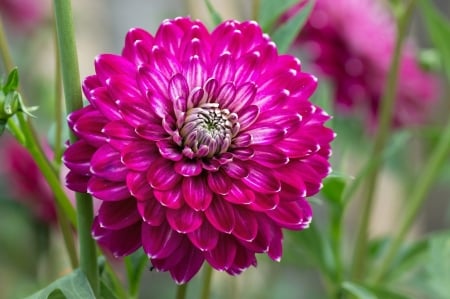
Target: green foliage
{"x":270,"y":11}
{"x":135,"y":265}
{"x":215,"y":16}
{"x":12,"y":82}
{"x":438,"y":28}
{"x":288,"y":31}
{"x":438,"y":265}
{"x":72,"y":286}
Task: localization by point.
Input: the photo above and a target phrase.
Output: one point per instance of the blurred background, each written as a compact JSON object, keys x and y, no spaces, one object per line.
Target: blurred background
{"x":31,"y":251}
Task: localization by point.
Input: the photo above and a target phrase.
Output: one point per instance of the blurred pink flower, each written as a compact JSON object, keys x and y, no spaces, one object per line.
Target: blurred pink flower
{"x":202,"y":146}
{"x":26,"y":181}
{"x":352,"y":43}
{"x":24,"y":15}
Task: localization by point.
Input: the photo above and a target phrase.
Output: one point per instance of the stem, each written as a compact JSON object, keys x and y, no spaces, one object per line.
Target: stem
{"x":207,"y":282}
{"x":416,"y":199}
{"x":181,"y":291}
{"x":255,"y":9}
{"x":387,"y":106}
{"x":72,"y":93}
{"x":57,"y":148}
{"x":64,"y":209}
{"x":4,"y":50}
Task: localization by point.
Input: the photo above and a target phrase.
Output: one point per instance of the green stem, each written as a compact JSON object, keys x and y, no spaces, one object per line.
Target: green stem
{"x":64,"y":209}
{"x":416,"y":200}
{"x":207,"y":282}
{"x":57,"y":148}
{"x":5,"y":54}
{"x":72,"y":93}
{"x":386,"y":111}
{"x":181,"y":291}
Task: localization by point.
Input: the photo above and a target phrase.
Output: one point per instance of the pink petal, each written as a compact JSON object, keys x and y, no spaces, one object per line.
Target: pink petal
{"x":135,"y":35}
{"x":224,"y":69}
{"x":262,"y":180}
{"x":243,"y":259}
{"x":77,"y":157}
{"x":151,"y":211}
{"x":152,"y":131}
{"x":298,"y":147}
{"x":219,"y":182}
{"x":188,"y":266}
{"x":106,"y":164}
{"x":236,"y":170}
{"x":119,"y":130}
{"x":222,"y":256}
{"x":239,"y":194}
{"x":138,"y":156}
{"x":162,"y":176}
{"x":77,"y":182}
{"x":270,"y":157}
{"x":188,"y":168}
{"x":245,"y":95}
{"x":138,"y":185}
{"x":118,"y":214}
{"x":276,"y":245}
{"x":171,"y":198}
{"x":221,"y":215}
{"x":205,"y":237}
{"x":107,"y":65}
{"x":120,"y":242}
{"x":105,"y":103}
{"x":246,"y":225}
{"x":196,"y":193}
{"x":184,"y":220}
{"x":292,"y":214}
{"x":178,"y":87}
{"x":107,"y":190}
{"x":266,"y":135}
{"x":226,"y":95}
{"x":160,"y":241}
{"x":89,"y":127}
{"x":169,"y":150}
{"x":265,"y":202}
{"x":248,"y":115}
{"x":195,"y":72}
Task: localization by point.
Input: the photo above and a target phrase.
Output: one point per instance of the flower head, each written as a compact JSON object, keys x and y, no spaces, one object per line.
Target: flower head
{"x":201,"y":145}
{"x":24,"y":15}
{"x":352,"y":45}
{"x":26,"y":181}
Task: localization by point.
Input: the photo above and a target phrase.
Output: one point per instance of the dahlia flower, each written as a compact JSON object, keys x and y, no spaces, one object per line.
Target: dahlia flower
{"x":352,"y":45}
{"x":202,"y":146}
{"x":26,"y":182}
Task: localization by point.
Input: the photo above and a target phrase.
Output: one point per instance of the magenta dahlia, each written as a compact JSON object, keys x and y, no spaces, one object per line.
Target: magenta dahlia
{"x":201,"y":145}
{"x":352,"y":45}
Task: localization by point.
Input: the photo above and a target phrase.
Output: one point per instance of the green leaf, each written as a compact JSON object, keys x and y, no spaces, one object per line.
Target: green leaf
{"x":358,"y":290}
{"x":73,"y":286}
{"x":12,"y":82}
{"x":333,"y":188}
{"x":438,"y":265}
{"x":438,"y":28}
{"x":288,"y":31}
{"x":135,"y":265}
{"x":270,"y":11}
{"x":215,"y":16}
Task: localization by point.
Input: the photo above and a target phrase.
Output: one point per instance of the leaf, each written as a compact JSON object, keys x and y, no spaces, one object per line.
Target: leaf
{"x":12,"y":82}
{"x":286,"y":33}
{"x":135,"y":265}
{"x":270,"y":11}
{"x":73,"y":286}
{"x":215,"y":16}
{"x":438,"y":265}
{"x":438,"y":28}
{"x":358,"y":290}
{"x":333,"y":188}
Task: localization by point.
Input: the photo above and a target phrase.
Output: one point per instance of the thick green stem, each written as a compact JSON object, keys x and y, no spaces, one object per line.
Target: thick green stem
{"x":72,"y":92}
{"x":415,"y":201}
{"x":181,"y":291}
{"x":206,"y":290}
{"x":386,"y":111}
{"x":57,"y":147}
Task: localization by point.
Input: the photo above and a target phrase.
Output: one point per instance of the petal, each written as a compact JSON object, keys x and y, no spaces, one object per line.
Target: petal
{"x":205,"y":237}
{"x":298,"y":147}
{"x":224,"y":69}
{"x":221,"y":215}
{"x":120,"y":242}
{"x":270,"y":157}
{"x":236,"y":170}
{"x":245,"y":95}
{"x":188,"y":266}
{"x":222,"y":256}
{"x":119,"y":130}
{"x":161,"y":175}
{"x":243,"y":259}
{"x":265,"y":202}
{"x":118,"y":214}
{"x":171,"y":199}
{"x":107,"y":190}
{"x":188,"y":168}
{"x":247,"y":116}
{"x":169,"y":150}
{"x":266,"y":135}
{"x":77,"y":157}
{"x":219,"y":182}
{"x":89,"y":127}
{"x":138,"y":156}
{"x":107,"y":65}
{"x":106,"y":164}
{"x":262,"y":179}
{"x":184,"y":220}
{"x":151,"y":211}
{"x":160,"y":241}
{"x":196,"y":193}
{"x":292,"y":214}
{"x":77,"y":182}
{"x":138,"y":185}
{"x":240,"y":194}
{"x":152,"y":131}
{"x":246,"y":225}
{"x":105,"y":103}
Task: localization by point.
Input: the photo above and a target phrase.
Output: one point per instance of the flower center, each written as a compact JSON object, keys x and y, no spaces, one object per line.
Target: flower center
{"x":208,"y":130}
